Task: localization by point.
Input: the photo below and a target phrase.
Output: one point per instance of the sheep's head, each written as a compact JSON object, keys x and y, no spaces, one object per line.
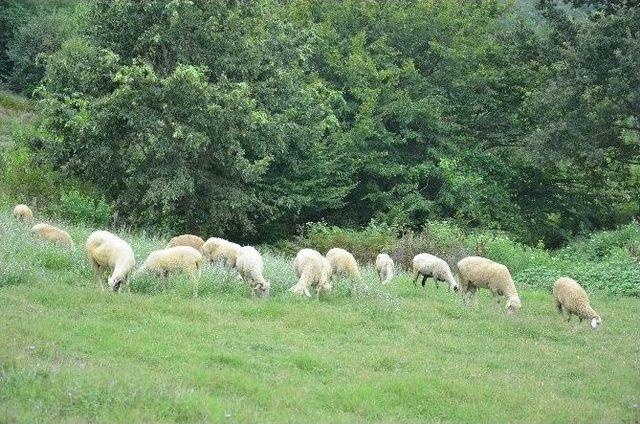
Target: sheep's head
{"x":297,"y":289}
{"x":596,"y":322}
{"x":262,"y":289}
{"x":453,"y":285}
{"x":115,"y":283}
{"x":513,"y":305}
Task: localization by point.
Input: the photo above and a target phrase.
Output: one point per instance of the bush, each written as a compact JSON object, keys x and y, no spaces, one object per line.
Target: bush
{"x":441,"y":238}
{"x":25,"y":180}
{"x":77,"y":207}
{"x":603,"y":243}
{"x":364,"y":244}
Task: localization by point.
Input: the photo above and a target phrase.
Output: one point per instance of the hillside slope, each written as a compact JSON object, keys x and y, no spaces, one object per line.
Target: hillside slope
{"x":377,"y":354}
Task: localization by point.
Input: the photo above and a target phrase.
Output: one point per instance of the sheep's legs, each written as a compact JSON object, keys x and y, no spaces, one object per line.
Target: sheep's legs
{"x":195,"y":274}
{"x":472,"y":296}
{"x":100,"y":273}
{"x":466,"y":298}
{"x":424,"y":280}
{"x":559,"y":307}
{"x":195,"y":287}
{"x":415,"y":279}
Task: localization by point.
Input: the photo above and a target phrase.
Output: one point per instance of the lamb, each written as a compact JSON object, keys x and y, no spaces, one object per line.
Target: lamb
{"x":249,"y":265}
{"x":51,"y":233}
{"x":427,"y":265}
{"x":187,"y":240}
{"x":476,"y":271}
{"x":106,"y":250}
{"x":571,"y":297}
{"x":312,"y":269}
{"x":384,"y":267}
{"x":220,"y":250}
{"x":173,"y":260}
{"x":23,"y":213}
{"x":343,"y":262}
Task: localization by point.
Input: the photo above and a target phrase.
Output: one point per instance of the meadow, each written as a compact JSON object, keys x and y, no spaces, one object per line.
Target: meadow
{"x":364,"y":353}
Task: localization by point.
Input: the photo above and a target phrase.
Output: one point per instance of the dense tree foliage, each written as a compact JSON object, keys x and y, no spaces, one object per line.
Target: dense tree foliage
{"x":30,"y":30}
{"x":248,"y":118}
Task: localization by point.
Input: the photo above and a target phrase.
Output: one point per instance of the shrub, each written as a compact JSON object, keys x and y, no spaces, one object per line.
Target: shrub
{"x":603,"y":243}
{"x":25,"y":180}
{"x":77,"y":207}
{"x":441,"y":238}
{"x":364,"y":244}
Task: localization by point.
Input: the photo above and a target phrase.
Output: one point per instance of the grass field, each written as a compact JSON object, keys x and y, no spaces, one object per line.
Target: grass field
{"x":69,"y":353}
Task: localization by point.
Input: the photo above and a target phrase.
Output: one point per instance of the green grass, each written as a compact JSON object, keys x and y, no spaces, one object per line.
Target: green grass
{"x":69,"y":353}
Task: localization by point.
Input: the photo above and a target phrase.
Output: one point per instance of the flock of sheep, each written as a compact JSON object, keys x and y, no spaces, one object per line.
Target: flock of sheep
{"x":187,"y":253}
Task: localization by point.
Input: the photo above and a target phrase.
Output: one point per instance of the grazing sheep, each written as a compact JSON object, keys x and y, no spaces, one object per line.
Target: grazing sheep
{"x":343,"y":262}
{"x":23,"y":213}
{"x":312,"y":269}
{"x":173,"y":260}
{"x":384,"y":267}
{"x":187,"y":240}
{"x":106,"y":250}
{"x":571,"y":297}
{"x":427,"y":265}
{"x":221,"y":250}
{"x":51,"y":233}
{"x":476,"y":272}
{"x":249,"y":265}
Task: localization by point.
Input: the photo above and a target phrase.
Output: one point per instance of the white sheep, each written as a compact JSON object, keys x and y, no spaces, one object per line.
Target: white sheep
{"x":312,"y":269}
{"x":23,"y":213}
{"x":173,"y":260}
{"x":187,"y":240}
{"x":342,"y":262}
{"x":51,"y":233}
{"x":384,"y":267}
{"x":571,"y":297}
{"x":476,"y":271}
{"x":427,"y":265}
{"x":220,"y":250}
{"x":108,"y":251}
{"x":249,"y":265}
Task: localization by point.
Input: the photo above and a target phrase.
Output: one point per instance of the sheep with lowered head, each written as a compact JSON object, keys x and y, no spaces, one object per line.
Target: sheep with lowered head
{"x":23,"y":213}
{"x":187,"y":240}
{"x":384,"y":267}
{"x":342,"y":262}
{"x":108,"y":251}
{"x":570,"y":296}
{"x":220,"y":250}
{"x":173,"y":260}
{"x":313,"y":270}
{"x":249,"y":265}
{"x":51,"y":233}
{"x":478,"y":272}
{"x":427,"y":265}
